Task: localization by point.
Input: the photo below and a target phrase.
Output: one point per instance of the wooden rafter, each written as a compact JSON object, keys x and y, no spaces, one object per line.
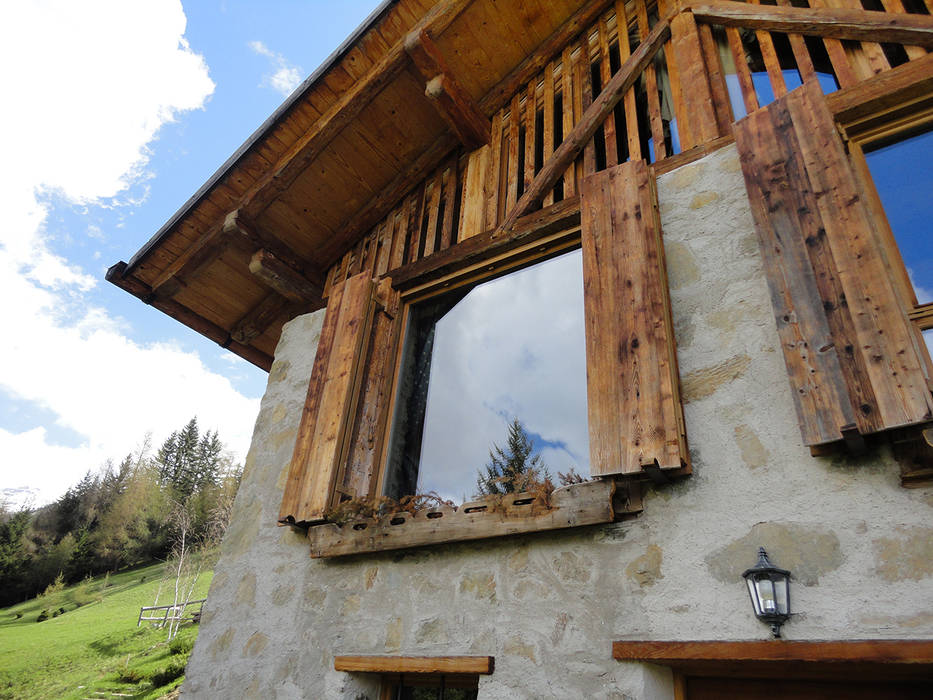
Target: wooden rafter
{"x":857,"y":25}
{"x":129,"y":283}
{"x":446,"y":93}
{"x":283,"y":278}
{"x":591,"y":120}
{"x":260,"y":317}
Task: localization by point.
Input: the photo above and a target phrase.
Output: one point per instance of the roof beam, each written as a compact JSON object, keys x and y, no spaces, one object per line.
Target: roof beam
{"x":263,"y":315}
{"x":170,"y":307}
{"x":278,"y":178}
{"x":446,"y":93}
{"x":591,"y":120}
{"x":858,"y":25}
{"x":283,"y":278}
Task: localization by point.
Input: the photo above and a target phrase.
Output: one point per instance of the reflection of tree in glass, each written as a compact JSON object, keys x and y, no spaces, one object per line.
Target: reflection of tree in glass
{"x":513,"y":469}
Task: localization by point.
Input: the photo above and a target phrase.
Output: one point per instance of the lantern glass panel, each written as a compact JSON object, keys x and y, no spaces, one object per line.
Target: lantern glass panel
{"x":766,"y":595}
{"x":780,"y":594}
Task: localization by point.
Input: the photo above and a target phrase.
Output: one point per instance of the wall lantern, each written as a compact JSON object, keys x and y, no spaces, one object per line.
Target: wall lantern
{"x":769,"y":591}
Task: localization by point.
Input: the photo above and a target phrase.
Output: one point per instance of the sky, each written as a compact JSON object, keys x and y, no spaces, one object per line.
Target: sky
{"x":116,"y":112}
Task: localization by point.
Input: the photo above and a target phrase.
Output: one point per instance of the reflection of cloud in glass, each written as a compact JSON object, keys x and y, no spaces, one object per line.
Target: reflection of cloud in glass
{"x":513,"y":347}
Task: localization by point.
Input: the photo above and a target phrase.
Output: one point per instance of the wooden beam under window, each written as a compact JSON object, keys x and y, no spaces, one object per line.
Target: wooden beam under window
{"x":857,"y":25}
{"x":482,"y":665}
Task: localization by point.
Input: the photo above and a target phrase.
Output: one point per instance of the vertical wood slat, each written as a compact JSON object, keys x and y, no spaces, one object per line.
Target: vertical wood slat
{"x":548,"y":125}
{"x":605,"y":75}
{"x":322,"y":446}
{"x":635,"y":415}
{"x":493,"y":175}
{"x":531,"y":108}
{"x":651,"y":88}
{"x":877,"y":61}
{"x":567,"y":102}
{"x":477,"y":189}
{"x":897,"y":7}
{"x":838,"y":57}
{"x":801,"y":53}
{"x":432,"y":202}
{"x":414,"y":224}
{"x":698,"y":124}
{"x":744,"y":74}
{"x":513,"y":174}
{"x":400,"y":235}
{"x":583,"y":77}
{"x":449,"y":194}
{"x":847,"y":342}
{"x":722,"y":106}
{"x":628,"y":101}
{"x":769,"y":56}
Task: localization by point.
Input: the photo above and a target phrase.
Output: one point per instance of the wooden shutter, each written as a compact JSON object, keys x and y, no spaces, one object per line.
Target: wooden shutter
{"x":322,"y":448}
{"x":851,"y":354}
{"x":635,"y":415}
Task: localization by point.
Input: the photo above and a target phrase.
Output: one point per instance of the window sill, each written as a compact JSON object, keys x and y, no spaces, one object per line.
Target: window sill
{"x":589,"y":503}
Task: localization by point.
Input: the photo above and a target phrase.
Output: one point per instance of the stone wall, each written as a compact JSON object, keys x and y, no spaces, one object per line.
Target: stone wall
{"x":548,"y":606}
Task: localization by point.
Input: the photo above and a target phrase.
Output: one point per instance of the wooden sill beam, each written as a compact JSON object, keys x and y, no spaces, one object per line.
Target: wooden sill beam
{"x":482,"y":665}
{"x":884,"y":651}
{"x":857,"y":25}
{"x":170,"y":307}
{"x":446,"y":93}
{"x":591,"y":120}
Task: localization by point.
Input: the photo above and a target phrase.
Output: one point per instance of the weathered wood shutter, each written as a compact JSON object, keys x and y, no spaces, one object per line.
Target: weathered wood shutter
{"x":851,"y":354}
{"x":635,"y":415}
{"x":324,"y":436}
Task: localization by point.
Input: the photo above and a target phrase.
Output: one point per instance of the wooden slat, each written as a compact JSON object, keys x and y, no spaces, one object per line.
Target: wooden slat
{"x":801,"y":53}
{"x":574,"y":142}
{"x":842,"y":67}
{"x":698,"y":122}
{"x":873,"y":53}
{"x":530,"y":108}
{"x":414,"y":224}
{"x":432,"y":203}
{"x":829,"y":287}
{"x":635,"y":415}
{"x":321,"y":449}
{"x":475,"y":193}
{"x":495,"y":179}
{"x":770,"y":58}
{"x":897,"y":7}
{"x":567,"y":118}
{"x":858,"y":25}
{"x":628,"y":101}
{"x":450,"y":194}
{"x":589,"y":503}
{"x":482,"y":665}
{"x":651,"y":88}
{"x":548,"y":125}
{"x":749,"y":96}
{"x":605,"y":75}
{"x":515,"y":116}
{"x":722,"y":106}
{"x":584,"y":76}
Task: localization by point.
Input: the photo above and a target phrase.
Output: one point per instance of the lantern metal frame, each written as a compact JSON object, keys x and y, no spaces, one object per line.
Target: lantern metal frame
{"x":769,"y":590}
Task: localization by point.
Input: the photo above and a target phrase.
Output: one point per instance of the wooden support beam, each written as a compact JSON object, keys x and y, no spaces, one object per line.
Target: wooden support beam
{"x":415,"y":664}
{"x":263,"y":315}
{"x":453,"y":103}
{"x":190,"y":264}
{"x":343,"y":112}
{"x":283,"y":278}
{"x":857,"y":25}
{"x":209,"y":329}
{"x":591,"y":120}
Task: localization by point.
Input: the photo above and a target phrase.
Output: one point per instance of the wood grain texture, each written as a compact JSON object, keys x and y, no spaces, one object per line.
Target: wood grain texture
{"x":847,"y":344}
{"x":635,"y":415}
{"x":589,"y":503}
{"x":482,"y":665}
{"x":698,"y":116}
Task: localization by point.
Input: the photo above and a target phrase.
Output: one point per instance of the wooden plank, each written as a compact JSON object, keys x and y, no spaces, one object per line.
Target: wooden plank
{"x":872,"y":52}
{"x":414,"y":225}
{"x":449,"y":196}
{"x":432,"y":204}
{"x":474,"y":193}
{"x":858,"y":25}
{"x":628,"y":101}
{"x":511,"y":186}
{"x":482,"y":665}
{"x":605,"y":75}
{"x":283,"y":278}
{"x":562,"y":216}
{"x":696,"y":95}
{"x":567,"y":117}
{"x":494,"y":178}
{"x":574,"y":142}
{"x":635,"y":415}
{"x":651,"y":89}
{"x":116,"y":275}
{"x":530,"y":121}
{"x":547,"y":135}
{"x":770,"y":58}
{"x":458,"y":108}
{"x":584,"y":76}
{"x":722,"y":106}
{"x":749,"y":96}
{"x":897,"y":6}
{"x":886,"y":651}
{"x":339,"y":390}
{"x":399,"y":236}
{"x":838,"y":56}
{"x":589,"y":503}
{"x":883,"y":333}
{"x":801,"y":53}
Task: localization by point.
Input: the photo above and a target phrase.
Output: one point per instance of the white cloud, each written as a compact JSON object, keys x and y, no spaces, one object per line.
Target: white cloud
{"x":92,"y":83}
{"x":285,"y":77}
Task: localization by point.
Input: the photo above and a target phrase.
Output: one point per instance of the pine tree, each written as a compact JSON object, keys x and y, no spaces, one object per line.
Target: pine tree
{"x":514,"y":468}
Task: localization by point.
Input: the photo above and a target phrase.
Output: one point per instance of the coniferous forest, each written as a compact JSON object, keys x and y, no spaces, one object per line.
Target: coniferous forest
{"x":124,"y":514}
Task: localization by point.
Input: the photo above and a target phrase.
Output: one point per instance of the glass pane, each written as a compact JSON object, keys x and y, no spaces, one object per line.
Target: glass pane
{"x":512,"y":348}
{"x":903,"y":176}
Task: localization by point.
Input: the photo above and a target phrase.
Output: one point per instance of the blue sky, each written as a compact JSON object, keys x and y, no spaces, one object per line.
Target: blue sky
{"x":117,"y":113}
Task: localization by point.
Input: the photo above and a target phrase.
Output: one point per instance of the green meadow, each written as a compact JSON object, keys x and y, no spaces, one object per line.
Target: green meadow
{"x":93,"y":649}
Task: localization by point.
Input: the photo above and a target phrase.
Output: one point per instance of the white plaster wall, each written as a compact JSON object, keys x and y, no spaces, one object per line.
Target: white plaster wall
{"x":548,"y":606}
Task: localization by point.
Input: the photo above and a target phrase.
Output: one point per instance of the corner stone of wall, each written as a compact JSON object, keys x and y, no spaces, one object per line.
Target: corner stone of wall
{"x":548,"y":606}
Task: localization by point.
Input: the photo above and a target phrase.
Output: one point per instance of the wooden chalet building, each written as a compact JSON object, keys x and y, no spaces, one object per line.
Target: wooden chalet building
{"x":649,"y":233}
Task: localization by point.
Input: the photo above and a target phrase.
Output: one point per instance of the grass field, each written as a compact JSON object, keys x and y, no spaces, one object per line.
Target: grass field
{"x":93,"y":649}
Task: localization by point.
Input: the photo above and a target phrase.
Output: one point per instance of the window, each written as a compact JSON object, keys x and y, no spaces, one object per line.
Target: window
{"x":476,"y":359}
{"x":430,"y":687}
{"x":414,"y":383}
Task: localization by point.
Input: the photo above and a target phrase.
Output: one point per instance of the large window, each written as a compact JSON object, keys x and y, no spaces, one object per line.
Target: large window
{"x":479,"y":358}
